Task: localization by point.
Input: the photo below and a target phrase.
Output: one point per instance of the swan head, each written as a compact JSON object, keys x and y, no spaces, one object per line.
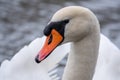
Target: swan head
{"x":68,"y":24}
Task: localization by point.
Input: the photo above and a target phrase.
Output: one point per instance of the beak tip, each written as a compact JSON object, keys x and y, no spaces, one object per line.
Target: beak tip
{"x":37,"y":59}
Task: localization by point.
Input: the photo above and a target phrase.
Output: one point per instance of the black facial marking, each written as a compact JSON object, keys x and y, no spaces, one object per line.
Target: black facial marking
{"x":47,"y":30}
{"x":59,"y":26}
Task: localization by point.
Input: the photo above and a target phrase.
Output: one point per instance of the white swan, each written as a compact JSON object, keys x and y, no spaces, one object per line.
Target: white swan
{"x":71,"y":24}
{"x":81,"y":27}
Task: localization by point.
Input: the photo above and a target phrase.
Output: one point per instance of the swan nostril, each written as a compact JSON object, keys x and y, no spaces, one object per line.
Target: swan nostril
{"x":50,"y":39}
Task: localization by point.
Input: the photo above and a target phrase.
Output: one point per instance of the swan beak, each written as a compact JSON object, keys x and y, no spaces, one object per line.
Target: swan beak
{"x":52,"y":41}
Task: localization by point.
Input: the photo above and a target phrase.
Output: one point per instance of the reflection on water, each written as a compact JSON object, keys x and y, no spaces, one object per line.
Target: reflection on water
{"x":21,"y":21}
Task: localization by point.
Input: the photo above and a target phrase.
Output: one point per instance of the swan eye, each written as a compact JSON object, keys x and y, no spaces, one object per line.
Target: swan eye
{"x":66,"y":21}
{"x":50,"y":39}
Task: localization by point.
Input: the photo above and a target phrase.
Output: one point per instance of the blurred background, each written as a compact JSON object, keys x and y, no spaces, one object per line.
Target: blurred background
{"x":21,"y":21}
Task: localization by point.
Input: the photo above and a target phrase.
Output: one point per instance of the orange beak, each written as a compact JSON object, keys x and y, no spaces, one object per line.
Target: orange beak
{"x":52,"y":41}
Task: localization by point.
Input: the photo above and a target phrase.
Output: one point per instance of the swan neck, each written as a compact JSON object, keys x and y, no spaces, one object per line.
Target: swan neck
{"x":82,"y":59}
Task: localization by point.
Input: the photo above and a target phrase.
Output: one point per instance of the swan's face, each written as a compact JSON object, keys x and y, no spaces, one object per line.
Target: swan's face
{"x":67,"y":25}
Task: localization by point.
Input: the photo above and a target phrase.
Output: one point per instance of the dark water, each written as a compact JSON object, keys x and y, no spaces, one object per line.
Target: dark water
{"x":21,"y":21}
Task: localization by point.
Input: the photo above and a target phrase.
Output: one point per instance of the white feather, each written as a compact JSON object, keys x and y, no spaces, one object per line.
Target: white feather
{"x":108,"y":64}
{"x":23,"y":66}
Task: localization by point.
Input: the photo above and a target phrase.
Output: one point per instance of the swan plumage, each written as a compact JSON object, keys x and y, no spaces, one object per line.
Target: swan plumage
{"x":22,"y":66}
{"x":108,"y":64}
